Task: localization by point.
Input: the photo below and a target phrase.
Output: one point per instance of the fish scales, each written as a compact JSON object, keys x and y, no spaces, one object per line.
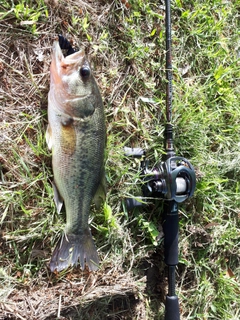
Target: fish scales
{"x":76,"y":135}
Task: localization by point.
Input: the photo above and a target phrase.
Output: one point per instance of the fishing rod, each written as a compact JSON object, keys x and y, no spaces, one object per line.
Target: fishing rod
{"x":173,"y":180}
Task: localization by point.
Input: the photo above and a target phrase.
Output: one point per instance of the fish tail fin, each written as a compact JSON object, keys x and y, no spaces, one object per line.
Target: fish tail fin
{"x":72,"y":249}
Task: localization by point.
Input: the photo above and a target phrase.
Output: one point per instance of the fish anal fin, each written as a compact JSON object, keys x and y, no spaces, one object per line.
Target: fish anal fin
{"x":57,"y":197}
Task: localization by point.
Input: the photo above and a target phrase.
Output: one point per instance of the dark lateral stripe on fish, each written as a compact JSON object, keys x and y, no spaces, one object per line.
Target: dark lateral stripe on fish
{"x":65,"y":44}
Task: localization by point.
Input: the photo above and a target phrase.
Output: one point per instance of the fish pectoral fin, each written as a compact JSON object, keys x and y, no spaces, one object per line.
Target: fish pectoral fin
{"x":57,"y":197}
{"x":100,"y":194}
{"x":49,"y":137}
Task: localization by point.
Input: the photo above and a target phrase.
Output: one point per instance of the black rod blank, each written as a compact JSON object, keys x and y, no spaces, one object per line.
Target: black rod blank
{"x":168,"y":128}
{"x":170,"y":225}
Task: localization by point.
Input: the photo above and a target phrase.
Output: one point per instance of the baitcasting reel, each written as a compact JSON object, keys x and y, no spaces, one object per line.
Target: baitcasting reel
{"x":173,"y":179}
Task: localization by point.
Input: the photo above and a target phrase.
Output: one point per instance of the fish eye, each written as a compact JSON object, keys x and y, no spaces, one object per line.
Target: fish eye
{"x":85,"y":72}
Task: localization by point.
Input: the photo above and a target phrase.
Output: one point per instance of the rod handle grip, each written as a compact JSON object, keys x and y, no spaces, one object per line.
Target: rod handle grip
{"x":170,"y":229}
{"x":172,"y":308}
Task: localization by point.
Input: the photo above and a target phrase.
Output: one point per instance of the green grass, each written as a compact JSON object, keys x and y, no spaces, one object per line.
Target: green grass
{"x":125,"y":42}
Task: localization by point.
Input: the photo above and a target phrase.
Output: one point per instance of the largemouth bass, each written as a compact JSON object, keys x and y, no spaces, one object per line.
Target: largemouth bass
{"x":76,"y":135}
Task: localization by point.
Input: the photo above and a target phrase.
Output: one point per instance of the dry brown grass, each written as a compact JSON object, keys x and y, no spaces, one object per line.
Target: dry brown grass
{"x":28,"y":290}
{"x":77,"y":296}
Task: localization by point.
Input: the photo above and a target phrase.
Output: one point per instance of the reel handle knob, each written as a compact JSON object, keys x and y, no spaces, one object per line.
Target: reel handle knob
{"x":132,"y":203}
